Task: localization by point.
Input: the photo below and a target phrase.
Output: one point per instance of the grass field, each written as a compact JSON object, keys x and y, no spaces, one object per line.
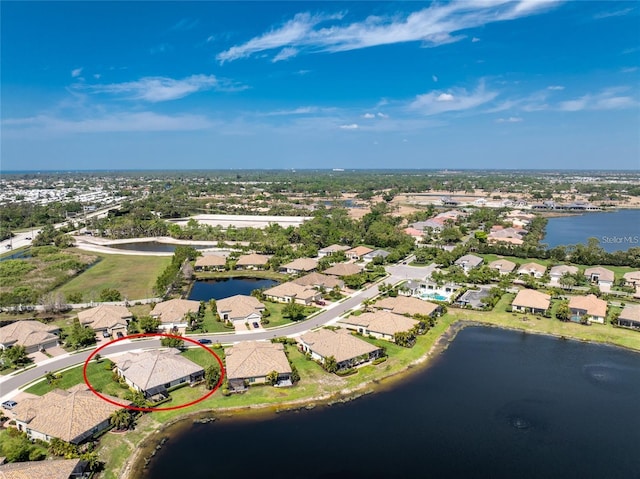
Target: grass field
{"x":277,"y":319}
{"x":133,"y":276}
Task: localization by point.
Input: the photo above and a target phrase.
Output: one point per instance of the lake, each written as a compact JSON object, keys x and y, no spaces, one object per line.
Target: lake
{"x":496,"y":404}
{"x":153,"y":246}
{"x":617,"y":230}
{"x":205,"y":289}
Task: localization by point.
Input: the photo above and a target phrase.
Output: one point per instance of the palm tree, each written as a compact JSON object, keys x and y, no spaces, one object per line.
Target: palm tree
{"x":122,"y":420}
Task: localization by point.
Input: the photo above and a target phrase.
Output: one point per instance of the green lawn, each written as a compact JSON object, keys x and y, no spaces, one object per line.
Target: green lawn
{"x":277,"y":319}
{"x":133,"y":276}
{"x":210,"y":324}
{"x":203,"y":358}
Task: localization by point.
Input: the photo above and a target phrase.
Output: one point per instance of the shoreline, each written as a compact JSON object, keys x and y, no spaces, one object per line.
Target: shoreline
{"x":137,"y":461}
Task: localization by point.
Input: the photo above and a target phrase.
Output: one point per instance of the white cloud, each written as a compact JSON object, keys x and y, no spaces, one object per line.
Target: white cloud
{"x":285,"y":54}
{"x":382,"y":115}
{"x":555,"y":87}
{"x":608,"y":99}
{"x":457,"y":99}
{"x":157,"y":89}
{"x":614,"y":13}
{"x":368,"y":116}
{"x":475,"y":40}
{"x":629,"y":70}
{"x":434,"y":78}
{"x":432,"y":26}
{"x":352,"y":126}
{"x":511,"y":119}
{"x":75,"y":73}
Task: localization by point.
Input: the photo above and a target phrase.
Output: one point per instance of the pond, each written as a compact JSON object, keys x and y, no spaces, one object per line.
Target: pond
{"x":206,"y":289}
{"x":496,"y":404}
{"x":153,"y":246}
{"x":616,"y":230}
{"x":21,"y":254}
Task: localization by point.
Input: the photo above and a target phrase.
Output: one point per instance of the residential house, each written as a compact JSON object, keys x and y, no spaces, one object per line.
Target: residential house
{"x":210,"y":262}
{"x":473,"y":298}
{"x":48,"y":469}
{"x":603,"y":277}
{"x":375,"y":254}
{"x":329,"y":250}
{"x":109,"y":319}
{"x":293,"y":293}
{"x":173,"y":314}
{"x":357,"y":253}
{"x":557,"y":272}
{"x":33,"y":335}
{"x":416,"y":234}
{"x":589,"y":307}
{"x":250,"y":362}
{"x":73,"y":415}
{"x":408,"y":305}
{"x":510,"y":235}
{"x":630,"y":317}
{"x":347,"y":350}
{"x":532,"y":269}
{"x":436,"y":224}
{"x":531,"y":301}
{"x":343,"y":269}
{"x":319,"y":281}
{"x":299,"y":266}
{"x":253,"y":261}
{"x":240,"y":309}
{"x":154,"y":372}
{"x":468,"y":262}
{"x":381,"y":324}
{"x":632,"y":278}
{"x":503,"y":266}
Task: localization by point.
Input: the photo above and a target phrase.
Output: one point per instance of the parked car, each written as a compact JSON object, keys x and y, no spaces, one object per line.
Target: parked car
{"x":256,"y":325}
{"x":204,"y":341}
{"x":9,"y":404}
{"x":105,"y":334}
{"x":321,"y":302}
{"x":28,"y":238}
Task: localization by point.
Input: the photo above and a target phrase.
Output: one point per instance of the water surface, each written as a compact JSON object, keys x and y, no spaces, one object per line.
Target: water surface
{"x":206,"y":289}
{"x":497,"y":404}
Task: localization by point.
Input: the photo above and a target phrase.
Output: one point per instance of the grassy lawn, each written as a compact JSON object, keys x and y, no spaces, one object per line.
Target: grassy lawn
{"x":211,"y":325}
{"x":99,"y":377}
{"x":133,"y":276}
{"x":202,"y":357}
{"x":277,"y":319}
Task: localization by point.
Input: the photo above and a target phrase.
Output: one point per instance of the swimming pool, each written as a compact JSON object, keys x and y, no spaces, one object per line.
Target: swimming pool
{"x":435,"y":296}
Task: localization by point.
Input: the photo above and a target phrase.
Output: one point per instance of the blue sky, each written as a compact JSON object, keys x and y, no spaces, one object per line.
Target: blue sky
{"x":472,"y":84}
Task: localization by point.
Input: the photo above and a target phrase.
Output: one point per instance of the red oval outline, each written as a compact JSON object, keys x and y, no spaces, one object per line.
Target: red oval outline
{"x":153,"y":409}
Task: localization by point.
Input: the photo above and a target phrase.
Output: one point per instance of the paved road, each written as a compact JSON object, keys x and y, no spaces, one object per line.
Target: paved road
{"x":9,"y":386}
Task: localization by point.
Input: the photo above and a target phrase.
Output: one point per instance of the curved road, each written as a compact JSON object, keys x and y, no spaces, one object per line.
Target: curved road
{"x":9,"y":386}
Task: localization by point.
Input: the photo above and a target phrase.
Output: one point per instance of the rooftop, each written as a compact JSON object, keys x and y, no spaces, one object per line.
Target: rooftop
{"x":255,"y":358}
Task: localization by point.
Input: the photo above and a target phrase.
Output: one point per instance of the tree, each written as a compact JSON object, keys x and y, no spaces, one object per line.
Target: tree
{"x":211,"y":376}
{"x":172,"y":342}
{"x":213,"y":306}
{"x":110,"y":295}
{"x":122,"y":420}
{"x":293,"y":311}
{"x":563,"y":313}
{"x":16,"y":355}
{"x":272,"y":378}
{"x":79,"y":336}
{"x":148,"y":324}
{"x":330,"y":364}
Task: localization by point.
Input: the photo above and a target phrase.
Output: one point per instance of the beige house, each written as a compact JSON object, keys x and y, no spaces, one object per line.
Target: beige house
{"x":211,"y":262}
{"x":299,"y":266}
{"x":630,"y":317}
{"x":590,"y":306}
{"x":252,"y":261}
{"x":408,"y":305}
{"x":173,"y":314}
{"x":503,"y":266}
{"x":357,"y":253}
{"x":468,"y":262}
{"x":319,"y":281}
{"x":111,"y":320}
{"x":600,"y":276}
{"x":154,"y":372}
{"x":55,"y":469}
{"x":240,"y":309}
{"x":329,"y":250}
{"x":381,"y":324}
{"x":33,"y":335}
{"x":252,"y":361}
{"x":557,"y":272}
{"x":532,"y":269}
{"x":293,"y":293}
{"x":347,"y":350}
{"x":72,"y":415}
{"x":343,"y":269}
{"x":531,"y":301}
{"x":632,"y":278}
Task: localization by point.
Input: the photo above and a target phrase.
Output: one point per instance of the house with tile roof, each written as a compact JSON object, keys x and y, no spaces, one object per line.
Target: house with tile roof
{"x":376,"y":253}
{"x":33,"y":335}
{"x":329,"y":250}
{"x":558,"y":271}
{"x":357,"y":253}
{"x":240,"y":309}
{"x":157,"y":371}
{"x":408,"y":305}
{"x":531,"y":301}
{"x":47,"y":469}
{"x":468,"y":262}
{"x":210,"y":262}
{"x":346,"y":349}
{"x":173,"y":314}
{"x":343,"y":269}
{"x":252,"y":261}
{"x":299,"y":266}
{"x":293,"y":293}
{"x":380,"y":324}
{"x":602,"y":277}
{"x":630,"y":317}
{"x":589,"y":307}
{"x":502,"y":266}
{"x":532,"y":269}
{"x":319,"y":281}
{"x":108,"y":319}
{"x":253,"y":361}
{"x":73,"y":415}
